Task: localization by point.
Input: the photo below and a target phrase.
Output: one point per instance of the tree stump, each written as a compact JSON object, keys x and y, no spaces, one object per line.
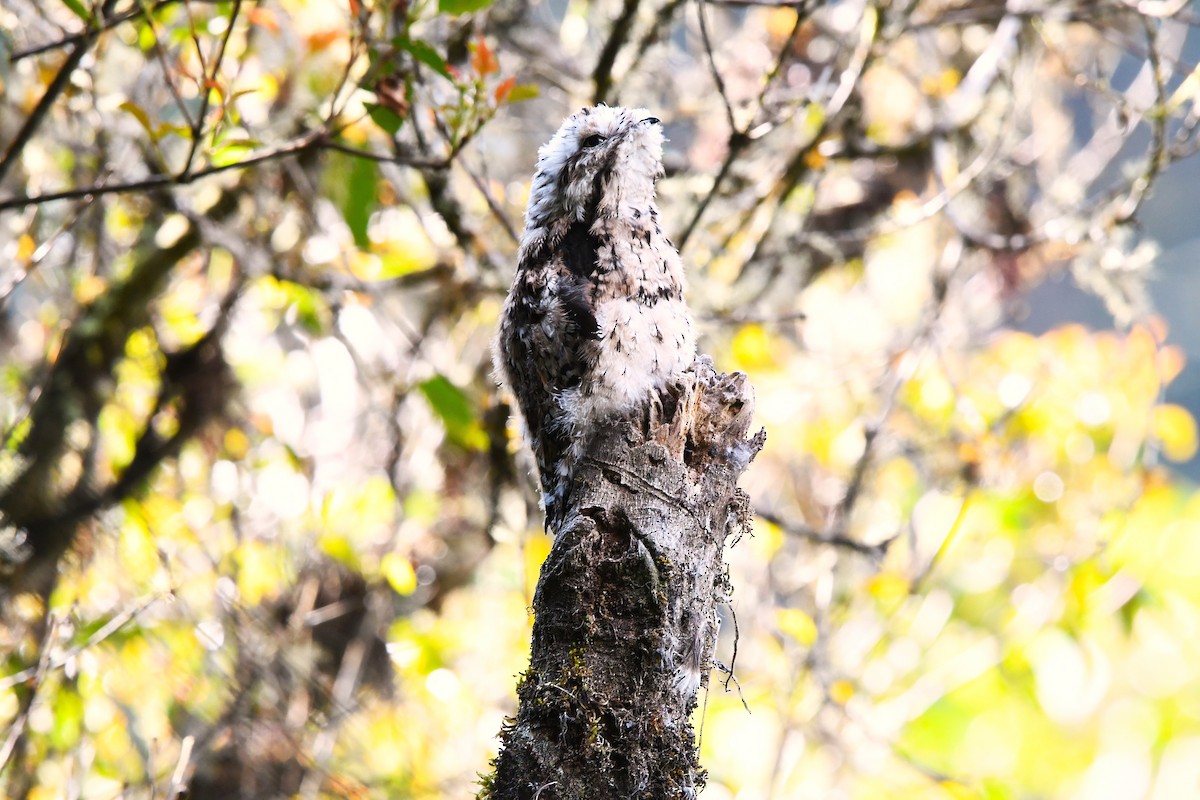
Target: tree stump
{"x":625,"y":608}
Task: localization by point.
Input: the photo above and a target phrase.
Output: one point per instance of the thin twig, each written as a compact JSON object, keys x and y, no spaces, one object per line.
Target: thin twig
{"x":718,"y":79}
{"x":492,"y":205}
{"x":20,"y":273}
{"x":399,"y":157}
{"x":1158,"y":146}
{"x":161,"y":54}
{"x":350,"y":672}
{"x":947,"y":540}
{"x":733,"y":150}
{"x":313,"y":140}
{"x":137,"y":10}
{"x":622,"y":27}
{"x":178,"y":783}
{"x":208,"y":84}
{"x":740,"y":138}
{"x":107,"y":629}
{"x":836,"y":538}
{"x":664,"y":17}
{"x":799,"y":165}
{"x":60,"y":81}
{"x":737,"y":635}
{"x":17,"y":729}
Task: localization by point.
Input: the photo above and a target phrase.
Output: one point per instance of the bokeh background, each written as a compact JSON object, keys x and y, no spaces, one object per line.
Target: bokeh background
{"x":267,"y":529}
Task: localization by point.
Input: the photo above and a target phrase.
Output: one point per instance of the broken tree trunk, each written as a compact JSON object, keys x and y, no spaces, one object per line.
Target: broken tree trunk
{"x":625,"y":609}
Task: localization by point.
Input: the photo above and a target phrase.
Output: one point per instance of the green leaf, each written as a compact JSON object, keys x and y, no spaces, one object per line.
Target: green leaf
{"x":448,"y":401}
{"x":994,"y":789}
{"x":307,"y":307}
{"x":462,"y":6}
{"x":230,"y":151}
{"x":168,"y":129}
{"x":456,"y":411}
{"x":362,"y":198}
{"x":140,"y":115}
{"x":422,"y":52}
{"x":399,"y":573}
{"x":340,"y":549}
{"x":385,"y":118}
{"x":523,"y":91}
{"x":68,"y":719}
{"x":78,"y":9}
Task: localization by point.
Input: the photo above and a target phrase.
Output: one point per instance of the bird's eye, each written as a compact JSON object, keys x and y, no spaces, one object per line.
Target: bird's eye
{"x":593,"y":140}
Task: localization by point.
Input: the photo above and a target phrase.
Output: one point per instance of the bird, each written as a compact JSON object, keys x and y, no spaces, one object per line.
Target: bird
{"x":595,"y":325}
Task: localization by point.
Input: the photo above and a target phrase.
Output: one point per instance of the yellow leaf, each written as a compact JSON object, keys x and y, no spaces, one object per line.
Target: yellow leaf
{"x":259,"y":575}
{"x":25,"y":248}
{"x":958,"y":791}
{"x":422,"y":506}
{"x":768,"y":538}
{"x":1175,"y":428}
{"x":89,"y":288}
{"x":406,"y":249}
{"x":797,"y":624}
{"x":1142,"y":342}
{"x":841,"y":691}
{"x":813,"y":159}
{"x":139,"y":558}
{"x":537,"y":547}
{"x":399,"y":573}
{"x":781,"y":21}
{"x":388,"y":744}
{"x":887,"y":586}
{"x":752,"y":348}
{"x":942,"y":84}
{"x":339,"y":547}
{"x":237,"y":444}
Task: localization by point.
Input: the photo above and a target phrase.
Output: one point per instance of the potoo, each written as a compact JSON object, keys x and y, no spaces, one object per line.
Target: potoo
{"x":595,"y":323}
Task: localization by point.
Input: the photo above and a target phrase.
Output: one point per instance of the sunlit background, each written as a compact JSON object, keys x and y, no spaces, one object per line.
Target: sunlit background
{"x":975,"y":571}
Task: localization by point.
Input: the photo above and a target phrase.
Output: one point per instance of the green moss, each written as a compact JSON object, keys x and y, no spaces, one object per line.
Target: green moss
{"x":487,"y":784}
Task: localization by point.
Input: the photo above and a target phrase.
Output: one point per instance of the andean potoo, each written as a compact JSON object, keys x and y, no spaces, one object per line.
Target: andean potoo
{"x":595,"y":324}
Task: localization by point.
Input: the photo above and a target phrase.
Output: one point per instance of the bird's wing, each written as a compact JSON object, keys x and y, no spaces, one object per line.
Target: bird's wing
{"x":550,"y":341}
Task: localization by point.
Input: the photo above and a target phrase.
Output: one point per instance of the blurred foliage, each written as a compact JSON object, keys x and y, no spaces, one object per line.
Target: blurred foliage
{"x":267,"y":530}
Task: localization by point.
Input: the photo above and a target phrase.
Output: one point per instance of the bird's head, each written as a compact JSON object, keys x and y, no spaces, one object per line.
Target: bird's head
{"x":603,"y":161}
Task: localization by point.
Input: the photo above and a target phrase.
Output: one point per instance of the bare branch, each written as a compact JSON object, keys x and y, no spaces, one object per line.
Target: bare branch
{"x":16,"y":731}
{"x":209,"y":80}
{"x":835,"y":539}
{"x":46,"y":663}
{"x":313,"y":140}
{"x":161,"y":54}
{"x":718,"y":79}
{"x":61,"y":78}
{"x":137,"y":9}
{"x":622,"y":27}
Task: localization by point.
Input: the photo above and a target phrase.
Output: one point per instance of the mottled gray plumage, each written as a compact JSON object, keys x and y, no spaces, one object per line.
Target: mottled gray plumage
{"x":595,"y":323}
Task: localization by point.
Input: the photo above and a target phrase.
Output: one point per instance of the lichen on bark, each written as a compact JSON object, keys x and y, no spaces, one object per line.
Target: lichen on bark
{"x":625,"y":608}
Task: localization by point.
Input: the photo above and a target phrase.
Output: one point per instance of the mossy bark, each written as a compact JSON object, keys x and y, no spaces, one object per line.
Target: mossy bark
{"x":625,"y":609}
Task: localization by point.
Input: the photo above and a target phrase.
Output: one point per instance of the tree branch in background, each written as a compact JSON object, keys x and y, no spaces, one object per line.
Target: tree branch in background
{"x":622,"y":27}
{"x":136,"y":10}
{"x":78,"y":386}
{"x":63,"y":76}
